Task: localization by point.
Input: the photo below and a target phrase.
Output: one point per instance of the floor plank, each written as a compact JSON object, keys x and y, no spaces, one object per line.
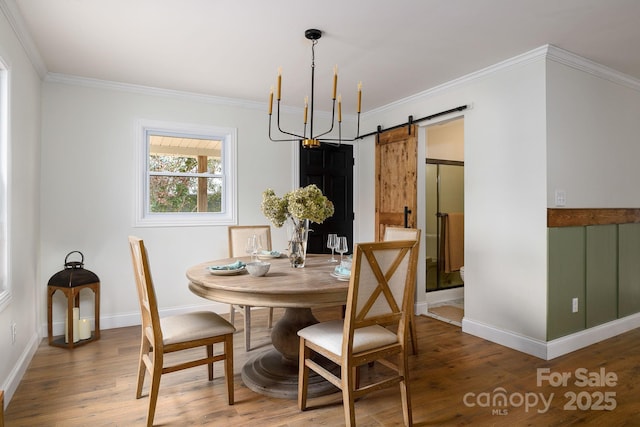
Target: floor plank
{"x":95,"y":385}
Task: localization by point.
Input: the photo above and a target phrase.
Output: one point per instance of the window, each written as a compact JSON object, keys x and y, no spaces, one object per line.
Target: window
{"x":187,"y":175}
{"x":5,"y":291}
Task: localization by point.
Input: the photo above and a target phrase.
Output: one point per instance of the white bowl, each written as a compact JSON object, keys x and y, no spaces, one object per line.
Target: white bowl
{"x":258,"y":268}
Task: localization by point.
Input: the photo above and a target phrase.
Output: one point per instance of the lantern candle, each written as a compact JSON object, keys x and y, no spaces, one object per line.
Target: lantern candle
{"x":359,"y":96}
{"x":271,"y":101}
{"x":85,"y":329}
{"x":339,"y":108}
{"x":76,"y":321}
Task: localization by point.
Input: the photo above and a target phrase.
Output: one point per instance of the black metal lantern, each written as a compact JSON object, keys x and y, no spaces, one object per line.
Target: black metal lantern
{"x":74,"y":274}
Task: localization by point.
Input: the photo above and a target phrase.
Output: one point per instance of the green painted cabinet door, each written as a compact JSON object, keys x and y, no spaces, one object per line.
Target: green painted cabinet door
{"x":602,"y":274}
{"x":628,"y":269}
{"x":567,"y":246}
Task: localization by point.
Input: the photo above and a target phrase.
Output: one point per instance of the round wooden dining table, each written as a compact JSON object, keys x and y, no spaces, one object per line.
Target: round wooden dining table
{"x":275,"y":372}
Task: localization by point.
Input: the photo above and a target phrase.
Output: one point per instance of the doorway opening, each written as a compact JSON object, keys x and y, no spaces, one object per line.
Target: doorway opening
{"x":444,"y":210}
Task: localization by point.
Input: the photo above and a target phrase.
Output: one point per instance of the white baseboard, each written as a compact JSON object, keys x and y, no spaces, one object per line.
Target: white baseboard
{"x":15,"y":376}
{"x":421,"y":307}
{"x":506,"y":338}
{"x":438,"y":297}
{"x":578,"y":340}
{"x":444,"y":295}
{"x":551,"y":349}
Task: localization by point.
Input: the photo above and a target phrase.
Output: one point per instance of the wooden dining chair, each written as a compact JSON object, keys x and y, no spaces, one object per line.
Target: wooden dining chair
{"x":238,"y":236}
{"x":401,"y":233}
{"x":175,"y":333}
{"x":374,"y":328}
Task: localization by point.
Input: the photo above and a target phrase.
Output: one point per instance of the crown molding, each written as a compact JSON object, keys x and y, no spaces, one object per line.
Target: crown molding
{"x":153,"y":91}
{"x":546,"y":52}
{"x":577,"y":62}
{"x":12,"y":13}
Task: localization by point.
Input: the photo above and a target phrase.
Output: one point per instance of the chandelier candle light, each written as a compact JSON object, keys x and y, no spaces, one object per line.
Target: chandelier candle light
{"x":310,"y":140}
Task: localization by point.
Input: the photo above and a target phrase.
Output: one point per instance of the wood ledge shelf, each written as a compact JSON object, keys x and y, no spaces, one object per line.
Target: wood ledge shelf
{"x":591,"y":216}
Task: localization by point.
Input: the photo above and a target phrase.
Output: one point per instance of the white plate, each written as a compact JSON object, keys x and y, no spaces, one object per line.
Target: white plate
{"x":341,"y":277}
{"x":218,"y":272}
{"x":267,"y":255}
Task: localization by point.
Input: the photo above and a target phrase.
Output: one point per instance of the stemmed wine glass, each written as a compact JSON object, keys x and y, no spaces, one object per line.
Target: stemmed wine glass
{"x":342,"y":246}
{"x":332,"y":243}
{"x":253,"y":244}
{"x":258,"y":247}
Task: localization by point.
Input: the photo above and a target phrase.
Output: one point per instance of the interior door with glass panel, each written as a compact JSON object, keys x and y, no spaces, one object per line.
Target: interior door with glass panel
{"x":445,"y":199}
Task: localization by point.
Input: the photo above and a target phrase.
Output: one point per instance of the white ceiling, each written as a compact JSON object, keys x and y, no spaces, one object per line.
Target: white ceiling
{"x":233,"y":48}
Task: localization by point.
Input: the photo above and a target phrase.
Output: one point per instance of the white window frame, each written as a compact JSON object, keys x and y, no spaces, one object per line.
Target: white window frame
{"x":228,"y":136}
{"x":5,"y":277}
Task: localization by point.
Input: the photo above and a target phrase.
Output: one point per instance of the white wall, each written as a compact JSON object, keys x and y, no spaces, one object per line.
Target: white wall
{"x":593,"y":144}
{"x":23,"y":212}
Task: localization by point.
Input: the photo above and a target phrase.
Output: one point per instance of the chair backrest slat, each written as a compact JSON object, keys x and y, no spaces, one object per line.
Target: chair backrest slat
{"x":400,"y":233}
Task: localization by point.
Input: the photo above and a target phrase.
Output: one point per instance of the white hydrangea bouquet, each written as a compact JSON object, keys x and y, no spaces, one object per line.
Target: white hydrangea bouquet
{"x":299,"y":206}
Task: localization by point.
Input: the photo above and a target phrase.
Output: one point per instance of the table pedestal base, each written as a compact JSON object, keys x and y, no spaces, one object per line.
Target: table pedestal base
{"x":271,"y":374}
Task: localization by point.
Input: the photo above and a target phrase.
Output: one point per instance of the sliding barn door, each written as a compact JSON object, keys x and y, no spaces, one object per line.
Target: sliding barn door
{"x":396,"y":179}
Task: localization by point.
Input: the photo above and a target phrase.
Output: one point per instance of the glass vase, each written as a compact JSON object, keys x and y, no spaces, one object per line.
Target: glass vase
{"x":298,"y":235}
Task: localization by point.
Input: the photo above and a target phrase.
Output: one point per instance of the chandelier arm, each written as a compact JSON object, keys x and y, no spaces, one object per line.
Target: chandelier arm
{"x":332,"y":123}
{"x":330,"y":140}
{"x":340,"y":139}
{"x":279,"y":140}
{"x":276,"y":140}
{"x":279,"y":128}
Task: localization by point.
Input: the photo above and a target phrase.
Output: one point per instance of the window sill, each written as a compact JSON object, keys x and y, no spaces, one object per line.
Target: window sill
{"x":184,"y":220}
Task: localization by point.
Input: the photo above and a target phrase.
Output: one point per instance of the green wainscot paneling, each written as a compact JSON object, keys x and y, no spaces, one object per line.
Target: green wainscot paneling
{"x":628,"y":269}
{"x":601,"y":274}
{"x":567,"y":270}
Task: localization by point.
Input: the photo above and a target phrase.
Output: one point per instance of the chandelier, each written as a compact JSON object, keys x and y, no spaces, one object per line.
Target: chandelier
{"x":311,"y":140}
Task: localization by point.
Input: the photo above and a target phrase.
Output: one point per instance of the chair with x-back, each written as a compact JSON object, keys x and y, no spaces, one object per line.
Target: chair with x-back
{"x":175,"y":333}
{"x":375,"y":326}
{"x":401,"y":233}
{"x":238,"y":237}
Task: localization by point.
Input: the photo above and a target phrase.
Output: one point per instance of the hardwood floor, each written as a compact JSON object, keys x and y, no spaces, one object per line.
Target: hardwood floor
{"x":95,"y":385}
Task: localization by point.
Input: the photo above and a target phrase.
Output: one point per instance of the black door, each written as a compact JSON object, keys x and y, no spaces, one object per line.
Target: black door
{"x":330,"y":168}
